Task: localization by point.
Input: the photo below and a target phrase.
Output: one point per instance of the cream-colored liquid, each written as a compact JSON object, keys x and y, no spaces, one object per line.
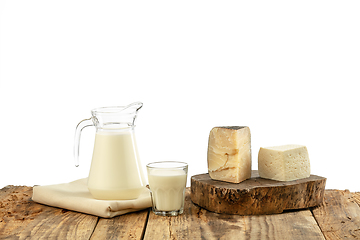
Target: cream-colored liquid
{"x":115,"y":171}
{"x":168,"y":188}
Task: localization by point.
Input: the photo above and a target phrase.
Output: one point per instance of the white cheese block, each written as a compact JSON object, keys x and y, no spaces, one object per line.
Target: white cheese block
{"x":229,"y":154}
{"x":284,"y":163}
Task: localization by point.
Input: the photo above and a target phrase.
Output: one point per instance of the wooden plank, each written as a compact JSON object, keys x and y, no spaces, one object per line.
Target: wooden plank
{"x":256,"y":195}
{"x":198,"y":223}
{"x":21,"y":218}
{"x":299,"y":224}
{"x":339,"y":215}
{"x":131,"y":225}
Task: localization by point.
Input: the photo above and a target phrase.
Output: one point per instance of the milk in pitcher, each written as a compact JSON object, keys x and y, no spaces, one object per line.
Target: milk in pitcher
{"x":114,"y":157}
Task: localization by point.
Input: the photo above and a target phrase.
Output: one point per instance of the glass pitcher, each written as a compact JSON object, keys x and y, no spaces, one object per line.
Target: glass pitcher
{"x":115,"y":172}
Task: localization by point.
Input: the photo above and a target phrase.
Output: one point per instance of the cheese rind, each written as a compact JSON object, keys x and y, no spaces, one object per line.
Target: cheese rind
{"x":229,"y":154}
{"x":284,"y":163}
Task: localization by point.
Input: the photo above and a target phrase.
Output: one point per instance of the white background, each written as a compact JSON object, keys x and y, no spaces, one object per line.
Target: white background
{"x":287,"y":69}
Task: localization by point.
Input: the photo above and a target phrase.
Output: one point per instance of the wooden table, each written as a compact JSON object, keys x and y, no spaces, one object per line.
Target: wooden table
{"x":21,"y":218}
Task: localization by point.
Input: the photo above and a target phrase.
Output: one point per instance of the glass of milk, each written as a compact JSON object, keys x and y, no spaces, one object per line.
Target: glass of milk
{"x":167,"y":181}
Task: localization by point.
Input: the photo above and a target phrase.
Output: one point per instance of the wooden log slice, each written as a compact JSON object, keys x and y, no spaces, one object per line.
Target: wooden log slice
{"x":256,"y":195}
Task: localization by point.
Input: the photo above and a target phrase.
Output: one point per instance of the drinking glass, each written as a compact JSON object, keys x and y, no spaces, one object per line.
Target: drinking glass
{"x":167,"y":181}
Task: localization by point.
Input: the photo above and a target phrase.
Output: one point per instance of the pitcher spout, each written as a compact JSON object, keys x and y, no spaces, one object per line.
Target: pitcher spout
{"x":135,"y":107}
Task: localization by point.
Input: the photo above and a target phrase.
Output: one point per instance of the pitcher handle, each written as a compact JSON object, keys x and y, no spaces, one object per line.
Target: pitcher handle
{"x":84,"y":123}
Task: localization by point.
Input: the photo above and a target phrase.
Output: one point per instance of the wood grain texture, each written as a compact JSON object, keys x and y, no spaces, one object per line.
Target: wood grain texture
{"x":339,"y":215}
{"x":198,"y":223}
{"x":128,"y":226}
{"x":256,"y":195}
{"x":298,"y":224}
{"x":21,"y":218}
{"x":355,"y":197}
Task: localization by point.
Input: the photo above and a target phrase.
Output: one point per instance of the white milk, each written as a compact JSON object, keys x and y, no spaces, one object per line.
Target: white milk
{"x":115,"y":172}
{"x":168,"y":188}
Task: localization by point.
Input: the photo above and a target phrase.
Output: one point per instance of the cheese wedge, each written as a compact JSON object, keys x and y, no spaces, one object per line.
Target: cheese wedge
{"x":229,"y":154}
{"x":284,"y":163}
